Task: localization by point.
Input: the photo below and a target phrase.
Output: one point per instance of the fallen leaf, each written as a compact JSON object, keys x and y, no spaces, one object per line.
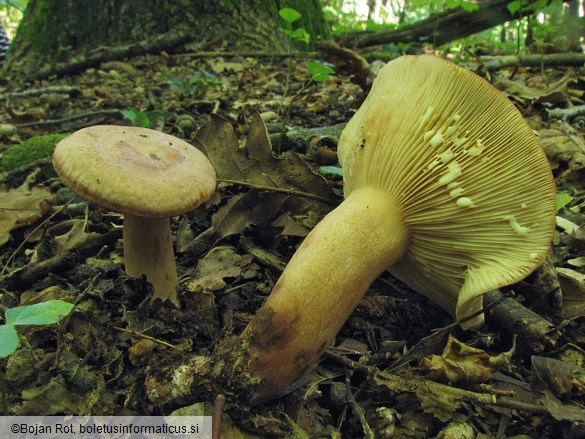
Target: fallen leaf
{"x":22,"y":207}
{"x":555,"y":93}
{"x":257,"y":165}
{"x":460,"y":363}
{"x":573,"y":288}
{"x":565,"y":151}
{"x":73,"y":238}
{"x":56,"y":397}
{"x":560,"y":411}
{"x":280,"y":185}
{"x":290,"y":226}
{"x":220,"y":263}
{"x":561,"y":378}
{"x":264,"y":211}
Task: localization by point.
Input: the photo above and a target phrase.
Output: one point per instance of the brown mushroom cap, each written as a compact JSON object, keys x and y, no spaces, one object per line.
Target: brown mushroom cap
{"x":136,"y":171}
{"x":474,"y":188}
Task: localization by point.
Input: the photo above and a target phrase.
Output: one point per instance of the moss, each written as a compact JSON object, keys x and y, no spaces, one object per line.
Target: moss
{"x":29,"y":151}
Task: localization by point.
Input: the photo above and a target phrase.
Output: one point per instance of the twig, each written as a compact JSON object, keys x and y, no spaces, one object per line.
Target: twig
{"x":146,"y":337}
{"x":535,"y":331}
{"x":217,"y":417}
{"x":42,"y":224}
{"x":32,"y":272}
{"x":566,"y":113}
{"x":64,"y":89}
{"x":395,"y":384}
{"x":262,"y":255}
{"x":359,"y":411}
{"x":204,"y":54}
{"x":534,"y":60}
{"x":69,"y":118}
{"x":25,"y":169}
{"x":428,"y":345}
{"x":281,"y":190}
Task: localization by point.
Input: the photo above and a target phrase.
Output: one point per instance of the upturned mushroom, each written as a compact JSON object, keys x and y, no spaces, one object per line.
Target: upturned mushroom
{"x":445,"y":186}
{"x":148,"y":176}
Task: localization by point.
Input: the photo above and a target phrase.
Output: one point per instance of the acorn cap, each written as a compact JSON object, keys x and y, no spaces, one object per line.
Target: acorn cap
{"x":474,"y":188}
{"x":136,"y":171}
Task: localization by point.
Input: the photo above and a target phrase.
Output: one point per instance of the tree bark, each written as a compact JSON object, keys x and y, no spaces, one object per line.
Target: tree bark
{"x":85,"y":32}
{"x":439,"y":28}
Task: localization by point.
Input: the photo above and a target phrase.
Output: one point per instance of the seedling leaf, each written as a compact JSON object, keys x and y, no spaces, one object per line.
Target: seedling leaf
{"x":514,"y":6}
{"x":563,"y":199}
{"x":44,"y":313}
{"x":320,"y":72}
{"x":289,"y":15}
{"x":137,"y":118}
{"x":331,"y":171}
{"x":301,"y":34}
{"x":468,"y":6}
{"x":9,"y":340}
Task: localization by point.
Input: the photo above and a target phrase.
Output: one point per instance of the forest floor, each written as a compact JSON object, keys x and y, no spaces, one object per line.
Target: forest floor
{"x":520,"y":375}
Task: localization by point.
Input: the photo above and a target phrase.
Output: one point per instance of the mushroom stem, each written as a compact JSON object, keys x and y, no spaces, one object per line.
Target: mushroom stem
{"x":321,"y":286}
{"x":148,"y":250}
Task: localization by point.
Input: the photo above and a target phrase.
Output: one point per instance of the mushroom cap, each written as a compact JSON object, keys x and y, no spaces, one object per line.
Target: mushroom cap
{"x":136,"y":171}
{"x":475,"y":189}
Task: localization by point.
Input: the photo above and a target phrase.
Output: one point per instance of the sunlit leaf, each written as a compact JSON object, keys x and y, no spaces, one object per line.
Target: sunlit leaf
{"x":301,"y":34}
{"x":320,"y":72}
{"x":468,"y":6}
{"x":563,"y":199}
{"x":9,"y":340}
{"x":289,"y":15}
{"x":44,"y":313}
{"x":514,"y":6}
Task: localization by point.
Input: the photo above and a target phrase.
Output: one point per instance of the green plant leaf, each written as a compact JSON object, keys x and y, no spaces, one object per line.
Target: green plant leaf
{"x":468,"y":6}
{"x":44,"y":313}
{"x":9,"y":340}
{"x":319,"y":72}
{"x":563,"y":198}
{"x":331,"y":172}
{"x":137,"y":118}
{"x":514,"y":6}
{"x":289,"y":15}
{"x":301,"y":34}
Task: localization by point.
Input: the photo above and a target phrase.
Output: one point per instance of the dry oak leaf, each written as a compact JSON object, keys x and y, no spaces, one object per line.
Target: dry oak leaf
{"x":256,"y":164}
{"x":460,"y":363}
{"x":22,"y":207}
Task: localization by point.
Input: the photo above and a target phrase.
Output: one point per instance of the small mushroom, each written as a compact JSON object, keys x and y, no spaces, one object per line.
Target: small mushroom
{"x":445,"y":186}
{"x":147,"y":175}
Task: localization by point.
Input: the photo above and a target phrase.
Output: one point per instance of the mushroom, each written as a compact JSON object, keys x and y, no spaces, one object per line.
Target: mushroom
{"x":147,"y":175}
{"x":445,"y":186}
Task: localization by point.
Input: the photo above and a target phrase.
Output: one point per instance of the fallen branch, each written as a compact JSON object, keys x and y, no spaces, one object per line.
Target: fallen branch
{"x":533,"y":60}
{"x":536,"y":332}
{"x":566,"y":113}
{"x":440,"y":28}
{"x":432,"y":393}
{"x":71,"y":91}
{"x":154,"y":44}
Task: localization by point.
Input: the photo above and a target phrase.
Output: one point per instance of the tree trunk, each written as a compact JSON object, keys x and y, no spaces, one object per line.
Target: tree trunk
{"x":64,"y":31}
{"x":573,"y":28}
{"x":439,"y":28}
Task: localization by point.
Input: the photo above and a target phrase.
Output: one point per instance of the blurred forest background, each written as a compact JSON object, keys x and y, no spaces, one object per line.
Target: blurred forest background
{"x":486,"y":26}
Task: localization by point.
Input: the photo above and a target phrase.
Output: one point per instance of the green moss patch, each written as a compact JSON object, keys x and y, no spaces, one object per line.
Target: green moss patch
{"x":29,"y":151}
